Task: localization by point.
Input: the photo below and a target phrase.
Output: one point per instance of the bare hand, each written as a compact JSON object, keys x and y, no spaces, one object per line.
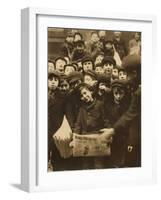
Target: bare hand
{"x":107,"y":134}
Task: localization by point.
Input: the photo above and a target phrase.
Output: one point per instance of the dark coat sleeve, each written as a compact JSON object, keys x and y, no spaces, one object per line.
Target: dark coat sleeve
{"x":77,"y":127}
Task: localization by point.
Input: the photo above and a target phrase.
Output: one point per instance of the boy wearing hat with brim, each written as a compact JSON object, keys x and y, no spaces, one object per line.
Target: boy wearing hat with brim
{"x":69,"y":68}
{"x":56,"y":105}
{"x":90,"y":78}
{"x":131,"y":119}
{"x":104,"y":87}
{"x":87,"y":63}
{"x":116,"y":106}
{"x":79,"y":51}
{"x":108,"y":63}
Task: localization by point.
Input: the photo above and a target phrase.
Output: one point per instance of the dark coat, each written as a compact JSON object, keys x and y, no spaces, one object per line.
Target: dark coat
{"x":72,"y":108}
{"x":56,"y":105}
{"x":132,"y":119}
{"x":90,"y":118}
{"x":113,"y":113}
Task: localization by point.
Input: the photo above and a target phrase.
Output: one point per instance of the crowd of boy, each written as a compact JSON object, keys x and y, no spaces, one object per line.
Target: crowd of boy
{"x":97,"y":86}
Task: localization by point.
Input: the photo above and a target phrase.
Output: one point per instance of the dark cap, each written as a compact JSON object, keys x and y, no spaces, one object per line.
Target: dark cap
{"x":74,"y":76}
{"x":108,"y":59}
{"x":91,"y":73}
{"x":104,"y":78}
{"x":108,"y":41}
{"x":119,"y":83}
{"x":87,"y":58}
{"x":79,"y":42}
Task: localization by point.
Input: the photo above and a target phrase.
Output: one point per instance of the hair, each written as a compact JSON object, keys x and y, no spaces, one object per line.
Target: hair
{"x":98,"y":65}
{"x":60,"y":58}
{"x":70,"y":65}
{"x":77,"y":33}
{"x":83,"y":86}
{"x":94,"y":32}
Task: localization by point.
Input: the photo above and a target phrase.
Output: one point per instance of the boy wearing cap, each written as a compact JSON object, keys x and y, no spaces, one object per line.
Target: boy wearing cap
{"x":60,"y":62}
{"x":90,"y":120}
{"x":116,"y":106}
{"x":56,"y":103}
{"x":122,"y":74}
{"x":68,"y":46}
{"x":99,"y":69}
{"x":90,"y":78}
{"x":131,"y":119}
{"x":72,"y":102}
{"x":104,"y":88}
{"x":69,"y":68}
{"x":119,"y":44}
{"x":108,"y":64}
{"x":87,"y":63}
{"x":51,"y":66}
{"x":108,"y":48}
{"x":79,"y":51}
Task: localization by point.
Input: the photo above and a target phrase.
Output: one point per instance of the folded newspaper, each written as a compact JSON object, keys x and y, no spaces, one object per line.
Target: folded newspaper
{"x":90,"y":145}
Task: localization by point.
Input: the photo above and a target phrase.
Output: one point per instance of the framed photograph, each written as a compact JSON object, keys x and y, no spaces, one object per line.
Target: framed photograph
{"x":86,"y":103}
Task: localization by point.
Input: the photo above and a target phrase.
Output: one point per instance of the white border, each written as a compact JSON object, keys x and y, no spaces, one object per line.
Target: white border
{"x":31,"y":180}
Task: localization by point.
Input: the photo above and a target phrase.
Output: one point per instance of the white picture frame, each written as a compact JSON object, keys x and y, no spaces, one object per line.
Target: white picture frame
{"x":32,"y":178}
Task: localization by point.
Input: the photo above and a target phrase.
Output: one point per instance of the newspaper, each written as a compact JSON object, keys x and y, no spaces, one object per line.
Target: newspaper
{"x":90,"y":145}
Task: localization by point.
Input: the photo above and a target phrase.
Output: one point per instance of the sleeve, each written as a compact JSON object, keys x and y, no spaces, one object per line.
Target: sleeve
{"x":77,"y":127}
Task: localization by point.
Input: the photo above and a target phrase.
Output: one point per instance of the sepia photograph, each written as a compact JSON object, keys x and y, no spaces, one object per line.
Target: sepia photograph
{"x":94,"y":99}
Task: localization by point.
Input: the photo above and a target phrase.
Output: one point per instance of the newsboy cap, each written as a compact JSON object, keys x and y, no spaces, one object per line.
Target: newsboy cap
{"x":119,"y":83}
{"x":108,"y":59}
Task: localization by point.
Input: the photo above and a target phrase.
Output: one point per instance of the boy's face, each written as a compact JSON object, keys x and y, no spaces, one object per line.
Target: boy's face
{"x":89,"y":80}
{"x":94,"y":38}
{"x":80,"y":48}
{"x":102,"y":34}
{"x":64,"y":87}
{"x":59,"y":65}
{"x":53,"y":83}
{"x":118,"y":94}
{"x":86,"y":95}
{"x":69,"y":69}
{"x":88,"y":65}
{"x":117,"y":34}
{"x":137,"y":36}
{"x":99,"y":59}
{"x":115,"y":72}
{"x":99,"y":70}
{"x":122,"y":75}
{"x":108,"y":46}
{"x":77,"y":37}
{"x":108,"y":67}
{"x":69,"y":39}
{"x":50,"y":67}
